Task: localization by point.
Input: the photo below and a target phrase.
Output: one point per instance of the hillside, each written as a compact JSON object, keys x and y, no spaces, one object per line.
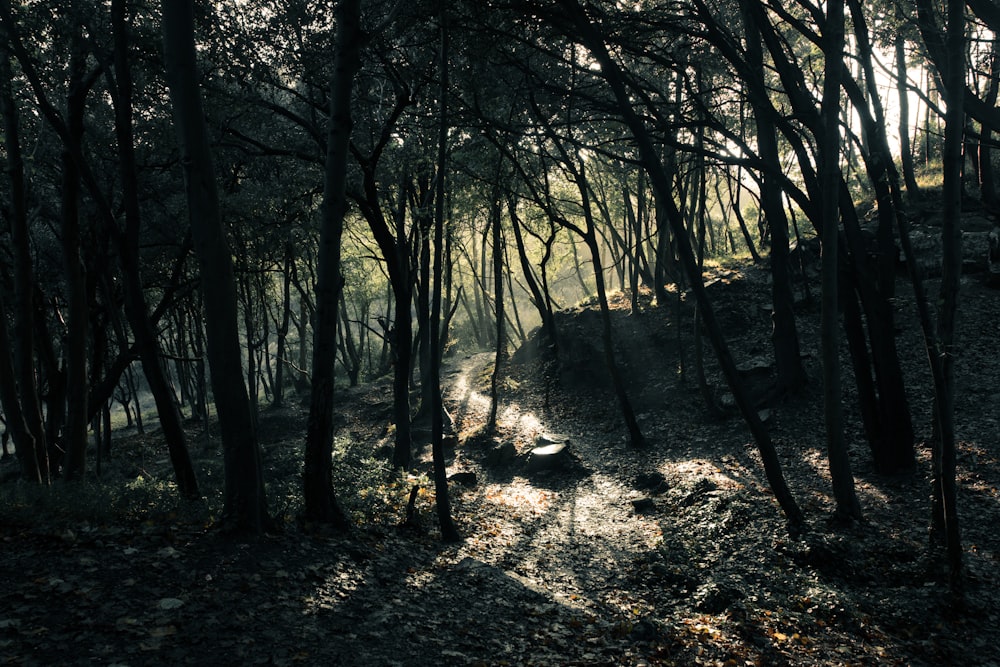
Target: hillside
{"x":675,"y":554}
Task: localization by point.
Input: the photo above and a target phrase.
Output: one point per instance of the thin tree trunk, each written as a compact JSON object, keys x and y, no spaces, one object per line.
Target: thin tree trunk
{"x":736,"y":187}
{"x":537,"y":297}
{"x":282,"y":333}
{"x":75,"y":434}
{"x":903,"y":94}
{"x":987,"y":174}
{"x":320,"y":501}
{"x":635,"y":436}
{"x":840,"y":465}
{"x":17,"y":428}
{"x":449,"y":533}
{"x":133,"y":391}
{"x":784,"y":334}
{"x":951,"y":239}
{"x":498,"y":304}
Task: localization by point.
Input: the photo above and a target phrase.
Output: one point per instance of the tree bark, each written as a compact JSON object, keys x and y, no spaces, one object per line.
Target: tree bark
{"x":784,"y":335}
{"x":75,"y":434}
{"x":846,"y":499}
{"x":987,"y":174}
{"x":449,"y":532}
{"x":903,"y":94}
{"x":320,"y":501}
{"x":282,"y":333}
{"x":500,"y":351}
{"x":32,"y":451}
{"x":951,"y":239}
{"x":539,"y":299}
{"x":245,"y":508}
{"x":135,"y":300}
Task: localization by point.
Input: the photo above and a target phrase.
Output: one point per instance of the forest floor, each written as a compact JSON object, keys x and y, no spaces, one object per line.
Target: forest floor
{"x":674,"y":554}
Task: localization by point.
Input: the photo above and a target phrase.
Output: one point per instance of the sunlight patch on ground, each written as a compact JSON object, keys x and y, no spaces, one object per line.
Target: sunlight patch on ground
{"x":869,"y":492}
{"x":524,"y":500}
{"x":474,"y":399}
{"x":524,"y":424}
{"x":707,"y":469}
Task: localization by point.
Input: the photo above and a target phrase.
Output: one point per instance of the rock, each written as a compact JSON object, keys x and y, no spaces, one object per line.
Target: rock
{"x":502,"y":454}
{"x":715,"y":598}
{"x":548,"y":457}
{"x":699,"y":490}
{"x":643,"y":505}
{"x":654,"y":482}
{"x":551,"y":439}
{"x":644,"y":630}
{"x":464,"y":478}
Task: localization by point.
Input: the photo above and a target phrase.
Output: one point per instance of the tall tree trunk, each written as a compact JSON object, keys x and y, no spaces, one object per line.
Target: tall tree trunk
{"x":395,"y":248}
{"x":449,"y":533}
{"x":75,"y":434}
{"x":500,"y":352}
{"x":987,"y":174}
{"x":17,"y":428}
{"x":32,"y":450}
{"x":635,"y":436}
{"x":945,"y":497}
{"x":424,"y":223}
{"x":320,"y":500}
{"x":539,"y":299}
{"x":897,"y":452}
{"x":245,"y":508}
{"x":784,"y":335}
{"x":135,"y":300}
{"x":840,"y":464}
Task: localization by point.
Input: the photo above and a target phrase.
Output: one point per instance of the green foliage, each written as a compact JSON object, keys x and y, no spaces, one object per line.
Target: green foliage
{"x":97,"y":501}
{"x":369,"y":488}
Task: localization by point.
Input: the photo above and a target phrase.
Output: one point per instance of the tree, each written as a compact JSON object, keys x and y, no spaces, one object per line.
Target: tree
{"x":75,"y":434}
{"x":784,"y":336}
{"x":449,"y":533}
{"x":245,"y":499}
{"x":500,"y":352}
{"x":320,"y":501}
{"x":903,"y":95}
{"x":32,"y":450}
{"x":944,"y":454}
{"x":840,"y":465}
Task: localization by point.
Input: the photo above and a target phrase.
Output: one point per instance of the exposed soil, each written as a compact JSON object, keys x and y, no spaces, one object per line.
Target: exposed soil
{"x":675,"y":554}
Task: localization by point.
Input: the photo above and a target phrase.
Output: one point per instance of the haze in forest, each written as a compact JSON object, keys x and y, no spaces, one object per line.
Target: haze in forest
{"x":215,"y":212}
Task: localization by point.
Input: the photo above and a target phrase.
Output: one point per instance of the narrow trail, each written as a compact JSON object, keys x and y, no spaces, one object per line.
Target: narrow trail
{"x":571,"y":534}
